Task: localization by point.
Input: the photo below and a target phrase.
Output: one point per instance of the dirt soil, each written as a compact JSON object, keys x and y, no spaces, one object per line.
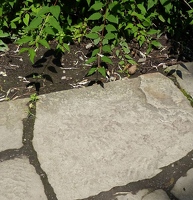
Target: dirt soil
{"x":54,"y":71}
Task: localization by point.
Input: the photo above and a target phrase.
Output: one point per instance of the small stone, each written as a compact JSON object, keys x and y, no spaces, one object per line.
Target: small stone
{"x":132,"y":69}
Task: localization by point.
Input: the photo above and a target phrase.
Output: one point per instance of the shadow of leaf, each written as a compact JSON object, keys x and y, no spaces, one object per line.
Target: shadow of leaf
{"x":47,"y":77}
{"x":52,"y":69}
{"x":36,"y":85}
{"x":179,"y":73}
{"x":32,"y":75}
{"x":98,"y":82}
{"x":171,"y":72}
{"x":184,"y":66}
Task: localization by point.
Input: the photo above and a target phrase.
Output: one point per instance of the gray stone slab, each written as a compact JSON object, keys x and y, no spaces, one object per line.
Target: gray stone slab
{"x":91,"y":139}
{"x":183,"y":187}
{"x":186,"y":81}
{"x":19,"y":181}
{"x":11,"y":127}
{"x":157,"y":195}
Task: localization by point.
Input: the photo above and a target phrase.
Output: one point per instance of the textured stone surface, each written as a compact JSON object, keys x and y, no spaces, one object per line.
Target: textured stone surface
{"x":19,"y":181}
{"x":11,"y":127}
{"x":157,"y":195}
{"x":186,"y":72}
{"x":183,"y":187}
{"x":97,"y":138}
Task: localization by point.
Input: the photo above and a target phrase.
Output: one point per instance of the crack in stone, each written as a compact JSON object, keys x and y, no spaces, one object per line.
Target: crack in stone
{"x":164,"y":180}
{"x":28,"y":150}
{"x":10,"y":154}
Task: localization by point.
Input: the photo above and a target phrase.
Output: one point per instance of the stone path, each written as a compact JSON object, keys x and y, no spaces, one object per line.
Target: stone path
{"x":131,"y":140}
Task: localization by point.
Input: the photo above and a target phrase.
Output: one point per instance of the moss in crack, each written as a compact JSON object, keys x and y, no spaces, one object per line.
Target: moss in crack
{"x":190,"y":99}
{"x":188,"y":96}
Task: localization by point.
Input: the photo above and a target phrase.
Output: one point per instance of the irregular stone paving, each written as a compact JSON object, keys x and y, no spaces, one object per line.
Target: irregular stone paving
{"x":131,"y":140}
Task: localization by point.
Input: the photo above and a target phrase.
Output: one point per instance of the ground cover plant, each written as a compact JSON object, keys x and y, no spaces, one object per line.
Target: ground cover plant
{"x":107,"y":29}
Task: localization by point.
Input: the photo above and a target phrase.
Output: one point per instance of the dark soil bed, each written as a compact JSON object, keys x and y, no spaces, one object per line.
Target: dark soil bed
{"x":55,"y":71}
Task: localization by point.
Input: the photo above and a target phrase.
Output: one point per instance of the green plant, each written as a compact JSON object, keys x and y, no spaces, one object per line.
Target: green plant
{"x":102,"y":35}
{"x":3,"y":46}
{"x":34,"y":98}
{"x":108,"y":24}
{"x":44,"y":25}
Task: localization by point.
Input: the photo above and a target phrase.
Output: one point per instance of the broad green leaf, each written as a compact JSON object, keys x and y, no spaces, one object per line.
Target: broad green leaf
{"x":141,"y":39}
{"x":32,"y":54}
{"x":128,"y":57}
{"x":168,"y":7}
{"x":112,"y":4}
{"x":94,"y":53}
{"x":96,"y":29}
{"x":11,"y":3}
{"x":43,"y":10}
{"x":96,"y":41}
{"x":161,"y":18}
{"x":16,"y":19}
{"x":23,"y":50}
{"x":97,"y":6}
{"x":156,"y":43}
{"x":142,"y":8}
{"x":121,"y":62}
{"x":34,"y":23}
{"x":88,"y":2}
{"x":105,"y":41}
{"x":13,"y":25}
{"x":140,"y":26}
{"x":54,"y":23}
{"x":44,"y":43}
{"x":49,"y":30}
{"x":55,"y":10}
{"x":92,"y":35}
{"x":91,"y":60}
{"x":191,"y":23}
{"x":152,"y":32}
{"x":66,"y":46}
{"x":163,"y":2}
{"x":117,"y":52}
{"x":3,"y":34}
{"x":26,"y":19}
{"x":106,"y":59}
{"x":151,"y":3}
{"x":24,"y":40}
{"x":106,"y":48}
{"x":92,"y":71}
{"x":95,"y":16}
{"x":112,"y":18}
{"x":132,"y":62}
{"x":102,"y":71}
{"x":6,"y":24}
{"x":3,"y":46}
{"x":129,"y":25}
{"x":110,"y":27}
{"x":139,"y":16}
{"x":109,"y":36}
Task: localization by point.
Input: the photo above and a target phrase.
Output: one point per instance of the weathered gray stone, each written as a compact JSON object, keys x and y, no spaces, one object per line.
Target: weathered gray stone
{"x":157,"y":195}
{"x":186,"y":81}
{"x":92,"y":139}
{"x":11,"y":127}
{"x":19,"y":181}
{"x":183,"y":187}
